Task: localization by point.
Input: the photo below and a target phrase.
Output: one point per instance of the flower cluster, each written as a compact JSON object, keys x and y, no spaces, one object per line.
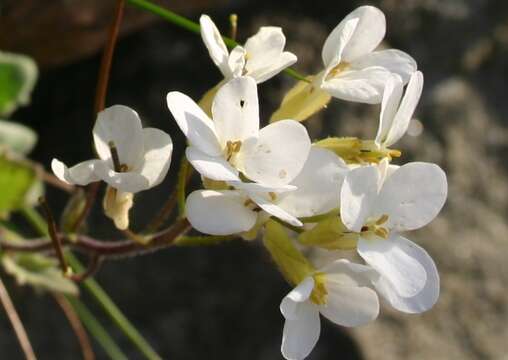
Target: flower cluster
{"x":335,"y":193}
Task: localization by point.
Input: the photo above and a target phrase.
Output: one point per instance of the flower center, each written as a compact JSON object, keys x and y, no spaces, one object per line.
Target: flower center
{"x":232,"y":148}
{"x":374,"y":228}
{"x":319,"y":293}
{"x":340,"y":67}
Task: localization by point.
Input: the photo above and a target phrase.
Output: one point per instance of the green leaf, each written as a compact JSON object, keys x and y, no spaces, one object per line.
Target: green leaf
{"x":16,"y":137}
{"x":19,"y":183}
{"x":18,"y":74}
{"x":38,"y":271}
{"x":290,"y":261}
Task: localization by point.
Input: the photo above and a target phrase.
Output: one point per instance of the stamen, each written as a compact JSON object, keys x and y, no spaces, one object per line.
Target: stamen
{"x":114,"y":156}
{"x":233,"y":20}
{"x":382,"y":219}
{"x":273,"y":196}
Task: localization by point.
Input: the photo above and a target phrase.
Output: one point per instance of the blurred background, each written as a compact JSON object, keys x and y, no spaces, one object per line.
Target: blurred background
{"x":222,"y":302}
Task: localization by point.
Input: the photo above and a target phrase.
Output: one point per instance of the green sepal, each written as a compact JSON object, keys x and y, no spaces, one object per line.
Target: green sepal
{"x":301,"y":102}
{"x":293,"y":265}
{"x":330,"y":234}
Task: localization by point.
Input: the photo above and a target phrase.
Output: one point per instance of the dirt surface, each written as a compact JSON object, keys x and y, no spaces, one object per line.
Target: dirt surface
{"x":222,"y":302}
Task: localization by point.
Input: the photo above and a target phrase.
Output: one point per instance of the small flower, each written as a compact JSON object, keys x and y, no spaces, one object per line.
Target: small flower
{"x":261,"y":58}
{"x":228,"y":212}
{"x":379,"y":205}
{"x":353,"y":70}
{"x":340,"y":292}
{"x":131,"y":159}
{"x":396,"y":111}
{"x":233,"y":143}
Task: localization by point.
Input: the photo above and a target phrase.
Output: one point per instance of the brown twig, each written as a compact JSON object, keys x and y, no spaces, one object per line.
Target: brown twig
{"x":93,"y":266}
{"x":100,"y":99}
{"x":16,"y":323}
{"x":107,"y":58}
{"x":106,"y":249}
{"x":53,"y":234}
{"x":77,"y":327}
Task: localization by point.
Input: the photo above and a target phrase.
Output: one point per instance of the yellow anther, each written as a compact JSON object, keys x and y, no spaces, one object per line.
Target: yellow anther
{"x":273,"y":196}
{"x":232,"y":147}
{"x":382,"y":219}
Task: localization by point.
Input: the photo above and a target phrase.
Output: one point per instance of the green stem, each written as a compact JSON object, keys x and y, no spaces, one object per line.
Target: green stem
{"x":191,"y":26}
{"x":97,"y":292}
{"x":96,"y":329}
{"x":113,"y":311}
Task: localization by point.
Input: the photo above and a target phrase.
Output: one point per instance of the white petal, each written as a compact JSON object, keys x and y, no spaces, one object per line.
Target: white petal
{"x":301,"y":335}
{"x":266,"y":56}
{"x":158,"y":149}
{"x":80,"y":174}
{"x":121,"y":125}
{"x":278,"y":155}
{"x":343,"y":272}
{"x":358,"y":196}
{"x":284,"y":60}
{"x":301,"y":293}
{"x":194,"y":123}
{"x":212,"y":167}
{"x":236,"y":61}
{"x":235,"y":110}
{"x":423,"y":300}
{"x":393,"y":60}
{"x":318,"y":185}
{"x":389,"y":106}
{"x":412,"y":196}
{"x":367,"y":35}
{"x":397,"y":262}
{"x":268,"y":206}
{"x":350,"y":305}
{"x":130,"y":182}
{"x":406,"y":109}
{"x":219,"y":212}
{"x":365,"y":85}
{"x":215,"y":45}
{"x":332,"y":52}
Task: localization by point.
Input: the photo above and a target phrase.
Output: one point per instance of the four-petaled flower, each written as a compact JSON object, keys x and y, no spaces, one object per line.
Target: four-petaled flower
{"x":340,"y":292}
{"x":232,"y":142}
{"x":261,"y":58}
{"x":131,"y":159}
{"x":353,"y":70}
{"x":379,"y":205}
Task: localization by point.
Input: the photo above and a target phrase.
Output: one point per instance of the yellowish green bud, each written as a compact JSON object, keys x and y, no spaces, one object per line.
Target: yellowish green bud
{"x":290,"y":261}
{"x":301,"y":102}
{"x":355,"y":151}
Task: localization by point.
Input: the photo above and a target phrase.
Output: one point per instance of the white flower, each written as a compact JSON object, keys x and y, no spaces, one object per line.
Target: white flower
{"x":144,"y":155}
{"x":396,"y":111}
{"x":233,"y":143}
{"x":261,"y":58}
{"x":379,"y":205}
{"x":340,"y":292}
{"x":353,"y":70}
{"x":228,"y":212}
